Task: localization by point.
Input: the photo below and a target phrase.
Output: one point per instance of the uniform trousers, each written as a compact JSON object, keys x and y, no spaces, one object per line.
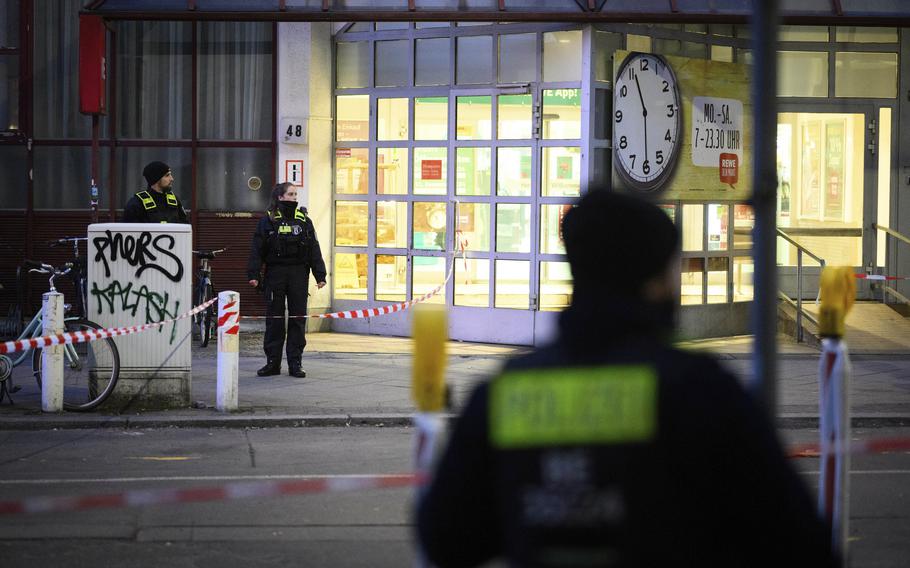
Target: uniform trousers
{"x":286,"y":283}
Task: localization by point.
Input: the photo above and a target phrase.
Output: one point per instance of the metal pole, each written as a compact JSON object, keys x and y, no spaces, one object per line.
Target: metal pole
{"x":228,"y":373}
{"x":764,"y":188}
{"x":799,"y":295}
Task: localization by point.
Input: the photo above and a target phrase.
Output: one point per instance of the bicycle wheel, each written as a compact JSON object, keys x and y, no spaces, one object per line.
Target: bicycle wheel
{"x":90,"y":369}
{"x":206,"y":318}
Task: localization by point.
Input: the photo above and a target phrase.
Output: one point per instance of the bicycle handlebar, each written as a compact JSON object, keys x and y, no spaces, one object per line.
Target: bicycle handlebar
{"x":209,"y":253}
{"x":34,"y":264}
{"x":66,"y":240}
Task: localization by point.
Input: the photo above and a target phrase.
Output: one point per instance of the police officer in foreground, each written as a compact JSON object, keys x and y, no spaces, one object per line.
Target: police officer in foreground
{"x":610,"y":447}
{"x":285,"y":242}
{"x":157,"y":203}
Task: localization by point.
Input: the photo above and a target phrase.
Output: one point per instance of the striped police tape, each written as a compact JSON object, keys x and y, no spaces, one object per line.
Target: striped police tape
{"x":309,"y":485}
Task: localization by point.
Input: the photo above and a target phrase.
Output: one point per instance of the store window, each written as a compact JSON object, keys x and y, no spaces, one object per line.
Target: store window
{"x":743,"y":279}
{"x":518,"y":58}
{"x":865,"y":75}
{"x":392,"y":65}
{"x":430,"y":170}
{"x":555,"y":286}
{"x":430,"y":225}
{"x":230,"y":179}
{"x":474,"y":60}
{"x":513,"y":227}
{"x":159,"y":109}
{"x":14,"y":189}
{"x":802,"y":33}
{"x":515,"y":117}
{"x":432,"y":64}
{"x":431,"y":118}
{"x":352,"y":168}
{"x":513,"y":171}
{"x":472,"y":230}
{"x":351,"y":225}
{"x":391,"y":171}
{"x":392,"y":119}
{"x":473,"y":118}
{"x":605,"y":44}
{"x":391,"y":224}
{"x":718,"y":234}
{"x":512,"y":287}
{"x":391,"y":278}
{"x":866,"y":35}
{"x":472,"y":171}
{"x":350,"y":276}
{"x":429,"y":273}
{"x":692,"y":273}
{"x":693,"y":227}
{"x":718,"y":267}
{"x":131,"y":160}
{"x":562,"y":56}
{"x":802,"y":74}
{"x":231,"y":54}
{"x":472,"y":282}
{"x":352,"y":123}
{"x":561,"y":114}
{"x":678,"y":48}
{"x":352,"y":64}
{"x":9,"y":92}
{"x":743,"y":223}
{"x":551,"y":217}
{"x":561,"y":171}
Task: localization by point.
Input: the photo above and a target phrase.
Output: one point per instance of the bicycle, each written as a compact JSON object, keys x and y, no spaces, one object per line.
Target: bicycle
{"x":205,"y":322}
{"x":90,"y":370}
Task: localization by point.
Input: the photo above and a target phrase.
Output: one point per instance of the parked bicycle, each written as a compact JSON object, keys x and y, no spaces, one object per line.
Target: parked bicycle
{"x":78,"y":275}
{"x":90,"y":369}
{"x":205,"y":322}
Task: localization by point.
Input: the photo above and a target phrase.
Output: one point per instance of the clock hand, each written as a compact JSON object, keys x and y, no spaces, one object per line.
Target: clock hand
{"x":644,"y":112}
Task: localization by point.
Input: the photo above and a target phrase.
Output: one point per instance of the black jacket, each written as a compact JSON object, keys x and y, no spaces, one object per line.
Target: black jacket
{"x":286,"y":241}
{"x":163,"y":211}
{"x":708,"y":486}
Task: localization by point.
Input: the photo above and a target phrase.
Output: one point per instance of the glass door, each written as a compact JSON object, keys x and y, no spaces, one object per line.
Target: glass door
{"x":827,"y":170}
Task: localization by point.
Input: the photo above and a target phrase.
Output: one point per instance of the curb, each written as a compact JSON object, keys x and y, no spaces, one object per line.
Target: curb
{"x":63,"y":422}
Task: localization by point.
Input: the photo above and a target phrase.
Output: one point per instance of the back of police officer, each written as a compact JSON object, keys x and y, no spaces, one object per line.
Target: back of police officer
{"x":157,"y":203}
{"x":285,"y":244}
{"x":610,"y":447}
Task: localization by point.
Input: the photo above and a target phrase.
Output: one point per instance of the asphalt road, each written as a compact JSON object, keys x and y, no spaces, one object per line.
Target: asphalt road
{"x":367,"y":528}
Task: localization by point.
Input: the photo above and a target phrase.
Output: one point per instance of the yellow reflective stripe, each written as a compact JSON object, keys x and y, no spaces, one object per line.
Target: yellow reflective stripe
{"x":171,"y":199}
{"x":299,"y":215}
{"x":574,"y":406}
{"x":147,"y":201}
{"x":284,"y":228}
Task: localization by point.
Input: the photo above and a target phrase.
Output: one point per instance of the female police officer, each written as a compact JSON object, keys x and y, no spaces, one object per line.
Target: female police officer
{"x":285,"y":241}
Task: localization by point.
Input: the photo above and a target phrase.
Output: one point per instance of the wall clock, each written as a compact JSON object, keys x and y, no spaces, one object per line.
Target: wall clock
{"x":647,"y":121}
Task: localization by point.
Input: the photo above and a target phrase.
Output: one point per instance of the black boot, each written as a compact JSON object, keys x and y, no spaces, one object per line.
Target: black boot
{"x":272,"y":367}
{"x":294,"y":370}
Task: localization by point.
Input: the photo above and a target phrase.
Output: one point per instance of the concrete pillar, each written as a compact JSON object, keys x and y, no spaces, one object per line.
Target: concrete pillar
{"x":52,"y":356}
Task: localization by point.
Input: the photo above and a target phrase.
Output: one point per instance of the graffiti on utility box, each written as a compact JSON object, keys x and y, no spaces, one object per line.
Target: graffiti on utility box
{"x":129,"y":299}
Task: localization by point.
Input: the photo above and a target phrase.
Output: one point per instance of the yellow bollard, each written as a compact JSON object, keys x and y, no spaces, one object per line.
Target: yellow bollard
{"x":430,"y":331}
{"x":838,"y":292}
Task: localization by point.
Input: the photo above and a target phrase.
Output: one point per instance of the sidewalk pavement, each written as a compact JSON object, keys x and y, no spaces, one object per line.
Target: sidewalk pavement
{"x":365,"y":380}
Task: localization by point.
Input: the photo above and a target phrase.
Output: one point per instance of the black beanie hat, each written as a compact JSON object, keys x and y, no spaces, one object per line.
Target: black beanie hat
{"x":155,"y":171}
{"x":617,"y":242}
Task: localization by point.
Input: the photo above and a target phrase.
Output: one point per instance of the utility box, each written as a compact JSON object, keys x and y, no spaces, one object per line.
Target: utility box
{"x":141,"y":273}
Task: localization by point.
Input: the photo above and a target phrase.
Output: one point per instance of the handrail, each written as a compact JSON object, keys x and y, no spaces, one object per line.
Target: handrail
{"x":891,"y":232}
{"x":896,"y":294}
{"x":798,"y":246}
{"x":798,"y":304}
{"x":790,"y":301}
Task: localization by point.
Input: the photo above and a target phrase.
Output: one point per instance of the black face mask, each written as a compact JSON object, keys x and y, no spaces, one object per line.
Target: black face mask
{"x":287,"y":208}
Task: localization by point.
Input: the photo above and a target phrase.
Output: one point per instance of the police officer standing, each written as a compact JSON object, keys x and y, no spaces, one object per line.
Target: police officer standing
{"x":610,"y":447}
{"x":285,"y":242}
{"x":157,"y":203}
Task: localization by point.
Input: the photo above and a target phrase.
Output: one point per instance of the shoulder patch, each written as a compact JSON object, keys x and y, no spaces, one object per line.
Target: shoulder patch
{"x":573,"y":406}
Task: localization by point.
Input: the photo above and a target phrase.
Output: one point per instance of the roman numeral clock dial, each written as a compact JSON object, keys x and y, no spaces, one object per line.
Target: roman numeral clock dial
{"x":646,"y":121}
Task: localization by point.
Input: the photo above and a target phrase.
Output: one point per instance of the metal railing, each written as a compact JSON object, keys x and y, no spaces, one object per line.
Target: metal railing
{"x":798,"y":304}
{"x":888,"y":290}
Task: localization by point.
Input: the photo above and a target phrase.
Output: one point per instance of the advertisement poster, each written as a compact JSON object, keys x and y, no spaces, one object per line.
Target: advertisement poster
{"x":810,"y":170}
{"x":834,"y":171}
{"x":714,"y":155}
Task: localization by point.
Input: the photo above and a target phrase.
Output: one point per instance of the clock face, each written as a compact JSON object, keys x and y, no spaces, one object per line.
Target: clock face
{"x":646,"y":121}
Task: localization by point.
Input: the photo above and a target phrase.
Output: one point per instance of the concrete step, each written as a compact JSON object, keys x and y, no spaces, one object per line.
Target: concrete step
{"x":871,"y":327}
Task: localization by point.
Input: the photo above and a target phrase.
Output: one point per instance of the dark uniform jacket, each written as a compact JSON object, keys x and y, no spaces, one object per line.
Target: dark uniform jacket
{"x":150,"y":206}
{"x":611,"y":448}
{"x":282,"y":240}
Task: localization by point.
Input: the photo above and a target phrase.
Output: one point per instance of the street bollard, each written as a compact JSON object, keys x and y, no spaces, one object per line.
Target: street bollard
{"x":429,"y":332}
{"x":228,"y":351}
{"x":837,"y":293}
{"x":52,"y":355}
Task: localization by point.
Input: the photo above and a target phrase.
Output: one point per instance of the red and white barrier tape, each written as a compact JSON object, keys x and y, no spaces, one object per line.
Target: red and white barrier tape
{"x":371,"y":312}
{"x":880,"y":277}
{"x":227,"y":492}
{"x":331,"y":484}
{"x":92,"y":335}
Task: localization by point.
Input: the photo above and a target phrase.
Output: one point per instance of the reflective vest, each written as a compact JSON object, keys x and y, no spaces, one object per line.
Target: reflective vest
{"x":151,"y":207}
{"x":291,"y":239}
